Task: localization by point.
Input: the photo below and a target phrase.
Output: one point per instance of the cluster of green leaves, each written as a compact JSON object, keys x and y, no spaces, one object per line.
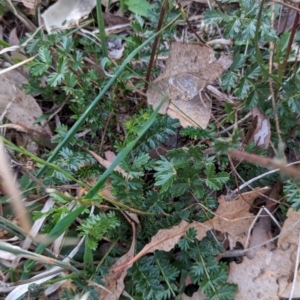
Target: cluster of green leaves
{"x":163,"y":276}
{"x":204,"y":270}
{"x":291,"y":190}
{"x":240,"y":24}
{"x":165,"y":191}
{"x":56,"y":74}
{"x":96,"y":226}
{"x":188,"y":170}
{"x":159,"y":132}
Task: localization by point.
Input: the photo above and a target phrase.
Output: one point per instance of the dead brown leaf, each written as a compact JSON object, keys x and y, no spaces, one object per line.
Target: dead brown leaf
{"x":17,"y":106}
{"x":234,"y":217}
{"x":189,"y":68}
{"x":65,"y":13}
{"x":106,"y":163}
{"x":285,"y":20}
{"x":231,"y":217}
{"x":30,"y":3}
{"x":292,"y":237}
{"x":270,"y":274}
{"x":262,"y":134}
{"x":257,"y":278}
{"x":261,"y":230}
{"x":13,"y":41}
{"x":114,"y":281}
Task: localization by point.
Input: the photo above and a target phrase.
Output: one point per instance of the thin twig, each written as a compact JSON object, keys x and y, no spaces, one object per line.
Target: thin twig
{"x":287,"y":5}
{"x":266,"y":162}
{"x":271,"y":47}
{"x":247,"y":183}
{"x":233,"y":125}
{"x":234,"y":253}
{"x":188,"y":22}
{"x":155,"y":43}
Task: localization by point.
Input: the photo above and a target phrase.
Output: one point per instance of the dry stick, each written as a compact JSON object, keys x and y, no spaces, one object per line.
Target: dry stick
{"x":155,"y":44}
{"x":233,"y":125}
{"x":266,"y":162}
{"x":13,"y":192}
{"x":286,"y":4}
{"x":28,"y":24}
{"x":247,"y":183}
{"x":234,"y":253}
{"x":105,"y":129}
{"x":271,"y":84}
{"x":17,"y":65}
{"x":188,"y":22}
{"x":296,"y":270}
{"x":233,"y":194}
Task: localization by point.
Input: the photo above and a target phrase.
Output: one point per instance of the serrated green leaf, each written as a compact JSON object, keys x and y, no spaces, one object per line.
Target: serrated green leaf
{"x":62,"y":65}
{"x":55,"y":78}
{"x":139,"y":7}
{"x":235,"y":27}
{"x":253,"y":72}
{"x":238,"y":61}
{"x":252,"y":99}
{"x":38,"y":69}
{"x":243,"y":88}
{"x":165,"y":174}
{"x":215,"y":16}
{"x":214,"y":181}
{"x":228,"y":80}
{"x":249,"y":30}
{"x":45,"y":55}
{"x":294,"y":104}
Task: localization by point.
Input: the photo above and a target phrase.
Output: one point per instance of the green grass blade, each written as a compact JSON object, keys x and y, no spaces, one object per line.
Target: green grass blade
{"x":65,"y":223}
{"x":93,"y":105}
{"x":42,"y":162}
{"x":101,"y":27}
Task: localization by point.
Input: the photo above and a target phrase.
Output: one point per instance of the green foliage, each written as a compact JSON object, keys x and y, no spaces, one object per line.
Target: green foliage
{"x":188,"y":170}
{"x":245,"y":72}
{"x":139,"y":7}
{"x":159,"y":132}
{"x":96,"y":226}
{"x":291,"y":190}
{"x":154,"y":277}
{"x":181,"y":185}
{"x":205,"y":271}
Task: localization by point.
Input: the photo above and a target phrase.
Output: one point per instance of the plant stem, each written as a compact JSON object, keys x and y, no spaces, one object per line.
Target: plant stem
{"x":101,"y":26}
{"x":155,"y":43}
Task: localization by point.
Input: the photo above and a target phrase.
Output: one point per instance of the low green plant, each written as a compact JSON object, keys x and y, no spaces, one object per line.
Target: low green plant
{"x":181,"y":185}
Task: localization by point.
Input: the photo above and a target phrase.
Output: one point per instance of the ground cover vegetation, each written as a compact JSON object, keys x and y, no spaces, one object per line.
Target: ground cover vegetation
{"x":129,"y":225}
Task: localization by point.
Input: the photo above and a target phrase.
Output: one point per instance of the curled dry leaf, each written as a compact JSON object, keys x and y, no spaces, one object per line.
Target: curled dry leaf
{"x":231,"y":217}
{"x":14,"y":41}
{"x":113,"y":20}
{"x":17,"y":106}
{"x":30,"y":3}
{"x":65,"y":13}
{"x":189,"y":68}
{"x":114,"y":281}
{"x":270,"y":274}
{"x":262,"y":133}
{"x":285,"y":20}
{"x":106,"y":163}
